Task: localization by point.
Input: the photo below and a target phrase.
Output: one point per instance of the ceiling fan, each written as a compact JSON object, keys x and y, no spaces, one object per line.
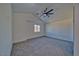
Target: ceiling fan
{"x":47,"y":12}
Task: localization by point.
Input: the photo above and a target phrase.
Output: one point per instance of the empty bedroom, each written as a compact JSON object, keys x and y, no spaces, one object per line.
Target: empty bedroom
{"x":42,"y":29}
{"x":38,"y":29}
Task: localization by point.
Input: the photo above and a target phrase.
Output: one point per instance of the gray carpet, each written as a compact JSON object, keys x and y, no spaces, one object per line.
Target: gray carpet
{"x":43,"y":46}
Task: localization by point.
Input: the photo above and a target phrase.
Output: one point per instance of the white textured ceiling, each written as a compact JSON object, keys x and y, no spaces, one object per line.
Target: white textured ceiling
{"x":63,"y":11}
{"x":28,"y":7}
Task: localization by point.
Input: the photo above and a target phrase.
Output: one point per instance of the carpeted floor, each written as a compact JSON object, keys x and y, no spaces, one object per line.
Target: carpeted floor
{"x":43,"y":46}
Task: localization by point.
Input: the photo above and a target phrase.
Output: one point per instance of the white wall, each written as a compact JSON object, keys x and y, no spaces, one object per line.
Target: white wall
{"x":60,"y":26}
{"x":5,"y":29}
{"x":23,"y":29}
{"x":76,"y":30}
{"x":62,"y":29}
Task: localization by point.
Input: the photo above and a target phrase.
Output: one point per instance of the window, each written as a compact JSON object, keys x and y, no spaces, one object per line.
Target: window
{"x":36,"y":28}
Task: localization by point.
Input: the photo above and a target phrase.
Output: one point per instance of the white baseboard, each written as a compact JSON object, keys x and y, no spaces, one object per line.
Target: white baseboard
{"x":60,"y":38}
{"x":27,"y":38}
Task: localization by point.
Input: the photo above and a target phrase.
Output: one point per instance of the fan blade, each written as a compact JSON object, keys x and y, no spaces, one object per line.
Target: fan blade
{"x":45,"y":10}
{"x":50,"y":13}
{"x":50,"y":10}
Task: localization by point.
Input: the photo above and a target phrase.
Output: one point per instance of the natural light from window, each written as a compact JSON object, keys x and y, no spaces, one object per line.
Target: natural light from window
{"x":36,"y":28}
